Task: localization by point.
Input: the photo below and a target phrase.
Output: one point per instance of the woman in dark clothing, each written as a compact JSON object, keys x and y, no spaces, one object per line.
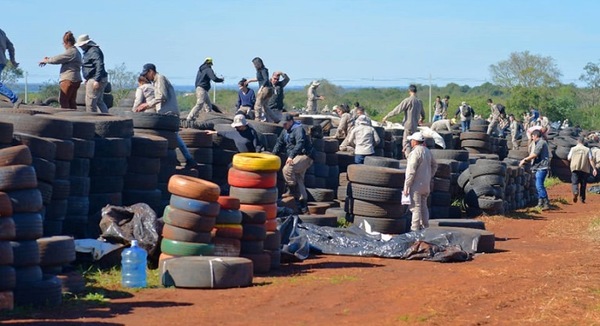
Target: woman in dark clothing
{"x":265,"y":90}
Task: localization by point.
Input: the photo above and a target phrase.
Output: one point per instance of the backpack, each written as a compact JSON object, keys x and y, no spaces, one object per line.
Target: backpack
{"x":501,"y":108}
{"x":465,"y":111}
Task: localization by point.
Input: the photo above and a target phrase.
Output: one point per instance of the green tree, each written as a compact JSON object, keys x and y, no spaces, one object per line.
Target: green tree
{"x":122,"y":81}
{"x":591,"y":77}
{"x":526,"y":70}
{"x":11,"y":74}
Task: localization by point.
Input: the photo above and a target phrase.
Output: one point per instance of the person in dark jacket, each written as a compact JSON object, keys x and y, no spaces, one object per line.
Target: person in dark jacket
{"x":265,"y":90}
{"x":298,"y":148}
{"x":94,"y":74}
{"x":203,"y":77}
{"x":275,"y":104}
{"x":246,"y":138}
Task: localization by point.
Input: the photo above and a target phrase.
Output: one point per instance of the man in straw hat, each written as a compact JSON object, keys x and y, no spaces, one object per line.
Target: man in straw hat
{"x":94,"y":73}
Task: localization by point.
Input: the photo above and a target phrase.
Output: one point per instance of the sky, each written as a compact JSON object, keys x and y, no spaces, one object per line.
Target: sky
{"x":348,"y":42}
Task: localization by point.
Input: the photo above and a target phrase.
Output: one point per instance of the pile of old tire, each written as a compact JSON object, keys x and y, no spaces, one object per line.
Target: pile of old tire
{"x":559,"y":164}
{"x":392,"y":143}
{"x":485,"y":188}
{"x":227,"y":231}
{"x":440,"y":197}
{"x":517,"y":184}
{"x":374,"y":196}
{"x":199,"y":143}
{"x":475,"y":142}
{"x":479,"y":125}
{"x":458,"y":160}
{"x":253,"y":180}
{"x":206,"y":272}
{"x":379,"y":151}
{"x":55,"y":253}
{"x":143,"y":166}
{"x":107,"y":97}
{"x":165,"y":126}
{"x":192,"y":210}
{"x":7,"y":271}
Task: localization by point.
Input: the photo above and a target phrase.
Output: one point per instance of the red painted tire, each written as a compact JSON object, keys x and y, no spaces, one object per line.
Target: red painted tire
{"x":248,"y":179}
{"x":271,"y":225}
{"x":232,"y":231}
{"x":228,"y":202}
{"x":6,"y":209}
{"x":193,"y":188}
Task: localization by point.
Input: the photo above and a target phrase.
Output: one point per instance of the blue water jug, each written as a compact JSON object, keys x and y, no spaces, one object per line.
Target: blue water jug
{"x":133,"y":266}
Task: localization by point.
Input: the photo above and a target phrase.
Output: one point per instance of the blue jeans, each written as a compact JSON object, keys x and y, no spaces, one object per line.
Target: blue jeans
{"x":437,"y":117}
{"x":465,"y":125}
{"x":540,"y":176}
{"x":5,"y":90}
{"x":184,"y":150}
{"x":359,"y":159}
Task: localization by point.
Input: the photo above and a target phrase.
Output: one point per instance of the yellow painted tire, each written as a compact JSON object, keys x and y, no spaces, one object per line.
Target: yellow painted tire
{"x":257,"y":162}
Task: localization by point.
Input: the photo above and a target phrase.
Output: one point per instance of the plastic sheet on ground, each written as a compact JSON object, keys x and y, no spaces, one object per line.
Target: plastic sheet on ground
{"x":121,"y":224}
{"x":429,"y":244}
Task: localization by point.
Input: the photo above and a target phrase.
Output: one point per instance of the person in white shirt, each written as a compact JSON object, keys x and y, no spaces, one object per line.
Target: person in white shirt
{"x":363,"y":138}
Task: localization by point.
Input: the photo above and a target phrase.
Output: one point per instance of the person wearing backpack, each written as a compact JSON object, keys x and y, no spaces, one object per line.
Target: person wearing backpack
{"x":466,"y":113}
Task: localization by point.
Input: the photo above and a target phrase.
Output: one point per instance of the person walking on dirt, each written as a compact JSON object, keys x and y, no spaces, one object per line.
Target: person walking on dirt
{"x":265,"y":88}
{"x":203,"y":77}
{"x":6,"y":44}
{"x":344,"y":126}
{"x":493,"y":126}
{"x":420,"y":169}
{"x":438,"y":108}
{"x":70,"y":72}
{"x":94,"y":73}
{"x":294,"y":141}
{"x":540,"y":158}
{"x":165,"y":102}
{"x":143,"y":93}
{"x":246,"y":99}
{"x":246,"y":138}
{"x":313,"y":98}
{"x":581,"y":163}
{"x":275,"y":103}
{"x":413,"y":116}
{"x":363,"y":138}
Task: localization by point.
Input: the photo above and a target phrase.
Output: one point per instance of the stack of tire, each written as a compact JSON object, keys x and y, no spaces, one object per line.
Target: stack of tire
{"x":392,"y":146}
{"x":228,"y":230}
{"x":165,"y":126}
{"x":253,"y":180}
{"x":56,"y":253}
{"x":374,"y":196}
{"x":440,"y":197}
{"x":485,"y":188}
{"x":559,"y":164}
{"x":206,"y":272}
{"x":107,"y":97}
{"x":379,"y":148}
{"x":476,"y":142}
{"x":253,"y":240}
{"x":479,"y":125}
{"x":7,"y":271}
{"x":528,"y":178}
{"x":143,"y":166}
{"x":516,"y":194}
{"x":193,"y":208}
{"x":199,"y":143}
{"x":458,"y":160}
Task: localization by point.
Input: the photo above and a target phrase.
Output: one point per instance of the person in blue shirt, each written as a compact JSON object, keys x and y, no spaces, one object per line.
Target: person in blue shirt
{"x":246,"y":98}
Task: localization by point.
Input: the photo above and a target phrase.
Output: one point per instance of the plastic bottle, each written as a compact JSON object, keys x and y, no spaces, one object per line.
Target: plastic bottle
{"x":133,"y":266}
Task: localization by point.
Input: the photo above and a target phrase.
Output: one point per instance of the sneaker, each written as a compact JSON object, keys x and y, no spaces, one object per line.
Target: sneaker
{"x":575,"y":198}
{"x":190,"y":164}
{"x":582,"y":201}
{"x":18,"y":103}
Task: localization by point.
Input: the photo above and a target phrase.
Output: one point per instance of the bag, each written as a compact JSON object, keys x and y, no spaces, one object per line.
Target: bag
{"x":465,"y":111}
{"x":501,"y":108}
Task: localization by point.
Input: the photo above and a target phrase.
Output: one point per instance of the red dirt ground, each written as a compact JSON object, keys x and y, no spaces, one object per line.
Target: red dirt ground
{"x":545,"y":271}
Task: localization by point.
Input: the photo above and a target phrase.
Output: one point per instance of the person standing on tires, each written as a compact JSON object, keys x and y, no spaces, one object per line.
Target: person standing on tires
{"x":420,"y":169}
{"x":164,"y":102}
{"x":203,"y":77}
{"x":275,"y":103}
{"x":540,"y":157}
{"x":515,"y":131}
{"x":70,"y":72}
{"x":466,"y":113}
{"x":313,"y":98}
{"x":298,"y":148}
{"x":413,"y":116}
{"x":94,"y":73}
{"x":581,"y":162}
{"x":246,"y":99}
{"x":265,"y":90}
{"x":493,"y":126}
{"x":438,"y":108}
{"x":6,"y":44}
{"x":345,"y":124}
{"x":363,"y":138}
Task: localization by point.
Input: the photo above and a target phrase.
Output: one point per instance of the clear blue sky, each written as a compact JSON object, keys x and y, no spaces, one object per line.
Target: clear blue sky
{"x":351,"y":43}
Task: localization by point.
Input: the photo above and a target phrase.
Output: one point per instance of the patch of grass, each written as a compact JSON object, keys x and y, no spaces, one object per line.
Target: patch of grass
{"x":342,"y":223}
{"x":415,"y":319}
{"x":551,"y":182}
{"x":457,"y":203}
{"x":594,"y":232}
{"x":342,"y":278}
{"x":96,"y":297}
{"x":559,"y":200}
{"x":111,"y":279}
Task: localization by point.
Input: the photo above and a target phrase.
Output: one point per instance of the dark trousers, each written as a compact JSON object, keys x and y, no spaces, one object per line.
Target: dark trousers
{"x":68,"y":94}
{"x":579,"y":183}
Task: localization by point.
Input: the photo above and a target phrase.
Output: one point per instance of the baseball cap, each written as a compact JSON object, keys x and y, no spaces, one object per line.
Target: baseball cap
{"x":208,"y":60}
{"x":147,"y":67}
{"x":416,"y":136}
{"x":286,"y":117}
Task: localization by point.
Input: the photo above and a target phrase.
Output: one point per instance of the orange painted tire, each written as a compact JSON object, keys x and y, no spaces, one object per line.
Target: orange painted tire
{"x":271,"y":225}
{"x":232,"y":231}
{"x":194,"y":188}
{"x":250,"y":179}
{"x":6,"y":208}
{"x":256,"y":162}
{"x":228,"y":202}
{"x":269,"y":209}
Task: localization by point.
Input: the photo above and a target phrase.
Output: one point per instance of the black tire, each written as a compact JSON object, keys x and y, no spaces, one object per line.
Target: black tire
{"x":441,"y":184}
{"x":443,"y":171}
{"x":382,"y":161}
{"x":26,"y":275}
{"x":112,"y":147}
{"x":143,"y":165}
{"x":222,"y":157}
{"x":62,"y":169}
{"x":105,"y":166}
{"x":206,"y":272}
{"x":8,"y":278}
{"x":15,"y":155}
{"x":254,"y":196}
{"x":474,"y":144}
{"x":80,"y":167}
{"x":17,"y":177}
{"x":489,"y":179}
{"x":372,"y":209}
{"x":26,"y":201}
{"x":440,"y":198}
{"x":78,"y":206}
{"x":106,"y":184}
{"x":80,"y":186}
{"x":375,"y":176}
{"x":61,"y":188}
{"x":480,"y":169}
{"x":195,"y":138}
{"x":25,"y":253}
{"x":229,"y":216}
{"x":42,"y":125}
{"x":490,"y":204}
{"x":201,"y":155}
{"x":475,"y":135}
{"x":320,"y":220}
{"x":47,"y":292}
{"x":6,"y":133}
{"x":155,"y":121}
{"x":253,"y":232}
{"x":463,"y":178}
{"x":83,"y":148}
{"x":384,"y":225}
{"x":450,"y":154}
{"x":58,"y":250}
{"x":188,"y":220}
{"x":374,"y":193}
{"x":111,"y":126}
{"x":320,"y":194}
{"x":251,"y":247}
{"x":6,"y":253}
{"x":266,"y":127}
{"x":180,"y":234}
{"x":149,"y":146}
{"x":272,"y":240}
{"x":462,"y":223}
{"x":38,"y":146}
{"x":330,"y":145}
{"x":7,"y":231}
{"x":436,"y":212}
{"x":136,"y":181}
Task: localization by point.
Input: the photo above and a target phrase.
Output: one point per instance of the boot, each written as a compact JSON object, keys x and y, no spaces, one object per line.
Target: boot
{"x":303,"y":207}
{"x":540,"y":203}
{"x":545,"y":204}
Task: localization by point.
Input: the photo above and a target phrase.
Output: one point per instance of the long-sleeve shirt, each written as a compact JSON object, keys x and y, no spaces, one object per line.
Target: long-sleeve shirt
{"x":443,"y":124}
{"x":143,"y":94}
{"x":165,"y":98}
{"x":246,"y":99}
{"x":205,"y":75}
{"x":420,"y":169}
{"x":295,"y":141}
{"x":363,"y":138}
{"x":313,"y":98}
{"x":5,"y":44}
{"x":460,"y":110}
{"x":514,"y":130}
{"x":71,"y":62}
{"x":262,"y":76}
{"x":438,"y":108}
{"x":93,"y":64}
{"x":413,"y":112}
{"x":343,"y":128}
{"x":276,"y":101}
{"x":246,"y":141}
